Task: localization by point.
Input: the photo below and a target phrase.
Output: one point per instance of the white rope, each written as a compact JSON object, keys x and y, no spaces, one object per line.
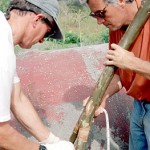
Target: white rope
{"x":107,"y":129}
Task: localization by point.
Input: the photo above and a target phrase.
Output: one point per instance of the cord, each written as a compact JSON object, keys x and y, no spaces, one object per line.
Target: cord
{"x":107,"y":129}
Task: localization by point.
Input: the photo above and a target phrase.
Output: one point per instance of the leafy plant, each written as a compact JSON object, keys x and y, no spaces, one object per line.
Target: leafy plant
{"x":104,"y":36}
{"x":71,"y":38}
{"x":3,"y":5}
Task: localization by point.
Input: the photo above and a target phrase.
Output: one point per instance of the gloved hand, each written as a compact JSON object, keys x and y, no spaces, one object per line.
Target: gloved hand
{"x":61,"y":145}
{"x":51,"y":139}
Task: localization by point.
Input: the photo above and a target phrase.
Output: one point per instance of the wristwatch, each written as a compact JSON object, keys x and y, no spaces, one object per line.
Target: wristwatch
{"x":42,"y":147}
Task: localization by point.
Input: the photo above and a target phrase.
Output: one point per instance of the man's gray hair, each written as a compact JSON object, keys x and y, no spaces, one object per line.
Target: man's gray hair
{"x":107,"y":1}
{"x":115,"y":1}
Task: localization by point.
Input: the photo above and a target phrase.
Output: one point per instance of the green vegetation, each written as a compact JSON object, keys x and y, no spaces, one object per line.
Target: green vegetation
{"x":4,"y":4}
{"x":78,"y":28}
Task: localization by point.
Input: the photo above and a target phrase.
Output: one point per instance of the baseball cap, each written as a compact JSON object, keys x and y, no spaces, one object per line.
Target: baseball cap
{"x":50,"y":7}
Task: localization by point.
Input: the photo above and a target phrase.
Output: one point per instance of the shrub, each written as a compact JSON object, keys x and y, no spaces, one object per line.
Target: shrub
{"x":3,"y":5}
{"x":71,"y":38}
{"x":105,"y":36}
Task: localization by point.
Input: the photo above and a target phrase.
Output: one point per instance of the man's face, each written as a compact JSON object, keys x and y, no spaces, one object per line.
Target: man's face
{"x":35,"y":32}
{"x":112,"y":15}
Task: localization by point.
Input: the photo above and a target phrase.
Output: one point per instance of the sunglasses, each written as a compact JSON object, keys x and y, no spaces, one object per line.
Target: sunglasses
{"x":99,"y":13}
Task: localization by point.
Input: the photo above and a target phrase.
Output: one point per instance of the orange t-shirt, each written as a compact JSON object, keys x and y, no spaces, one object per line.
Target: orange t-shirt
{"x":136,"y":85}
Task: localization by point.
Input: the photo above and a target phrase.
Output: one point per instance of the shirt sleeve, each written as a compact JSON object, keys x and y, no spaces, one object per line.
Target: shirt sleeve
{"x":7,"y":68}
{"x":5,"y":94}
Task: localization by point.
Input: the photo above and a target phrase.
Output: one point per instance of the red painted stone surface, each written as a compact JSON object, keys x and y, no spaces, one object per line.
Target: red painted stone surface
{"x":56,"y":82}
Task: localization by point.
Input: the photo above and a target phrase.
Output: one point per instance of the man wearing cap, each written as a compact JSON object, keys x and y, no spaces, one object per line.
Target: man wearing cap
{"x":25,"y":23}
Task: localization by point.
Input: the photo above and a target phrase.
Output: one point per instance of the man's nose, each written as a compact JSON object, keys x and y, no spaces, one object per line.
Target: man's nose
{"x":41,"y":40}
{"x":100,"y":21}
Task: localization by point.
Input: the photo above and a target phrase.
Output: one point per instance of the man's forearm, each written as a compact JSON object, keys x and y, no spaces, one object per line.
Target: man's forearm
{"x":140,"y":66}
{"x":10,"y":139}
{"x":25,"y":113}
{"x":114,"y":86}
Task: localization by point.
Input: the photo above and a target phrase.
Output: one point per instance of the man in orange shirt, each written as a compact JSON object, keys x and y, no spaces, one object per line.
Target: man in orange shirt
{"x":25,"y":23}
{"x":133,"y":66}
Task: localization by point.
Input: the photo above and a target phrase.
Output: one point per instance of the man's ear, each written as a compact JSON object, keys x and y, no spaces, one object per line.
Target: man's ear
{"x":37,"y":18}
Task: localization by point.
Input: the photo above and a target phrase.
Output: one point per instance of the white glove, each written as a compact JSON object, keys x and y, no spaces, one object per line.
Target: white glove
{"x":51,"y":139}
{"x":61,"y":145}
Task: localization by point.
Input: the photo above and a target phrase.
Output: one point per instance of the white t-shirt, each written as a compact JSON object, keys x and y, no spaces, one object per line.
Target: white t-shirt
{"x":8,"y":75}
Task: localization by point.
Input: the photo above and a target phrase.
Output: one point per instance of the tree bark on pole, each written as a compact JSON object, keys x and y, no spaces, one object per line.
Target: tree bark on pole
{"x":81,"y":131}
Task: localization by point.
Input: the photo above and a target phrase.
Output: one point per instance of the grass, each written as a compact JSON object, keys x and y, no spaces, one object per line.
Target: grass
{"x":77,"y":25}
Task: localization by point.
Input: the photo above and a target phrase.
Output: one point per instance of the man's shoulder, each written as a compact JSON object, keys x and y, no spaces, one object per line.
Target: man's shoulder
{"x":4,"y":26}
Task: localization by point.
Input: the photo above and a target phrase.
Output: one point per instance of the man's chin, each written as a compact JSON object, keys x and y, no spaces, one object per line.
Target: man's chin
{"x":123,"y":28}
{"x":113,"y":28}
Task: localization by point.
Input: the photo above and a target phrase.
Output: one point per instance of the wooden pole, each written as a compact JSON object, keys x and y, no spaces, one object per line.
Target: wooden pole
{"x":81,"y":131}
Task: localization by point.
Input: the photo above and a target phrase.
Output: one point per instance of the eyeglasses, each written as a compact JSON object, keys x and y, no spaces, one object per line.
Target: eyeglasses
{"x":99,"y":13}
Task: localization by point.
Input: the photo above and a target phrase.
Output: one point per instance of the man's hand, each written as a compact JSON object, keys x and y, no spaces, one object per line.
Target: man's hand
{"x":100,"y":108}
{"x":119,"y":57}
{"x":61,"y":145}
{"x":51,"y":139}
{"x":54,"y":143}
